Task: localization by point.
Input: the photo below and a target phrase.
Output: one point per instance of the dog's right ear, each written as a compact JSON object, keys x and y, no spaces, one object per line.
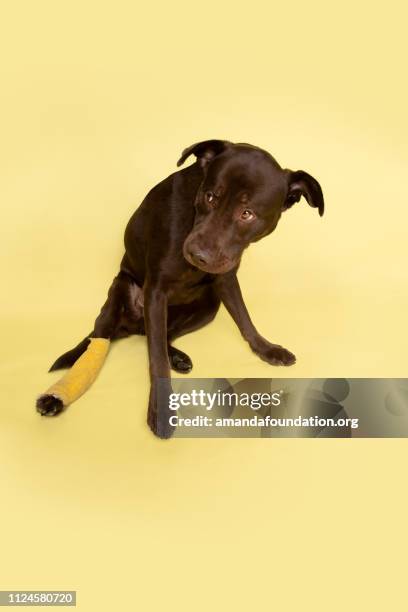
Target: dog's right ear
{"x":303,"y":184}
{"x":205,"y":151}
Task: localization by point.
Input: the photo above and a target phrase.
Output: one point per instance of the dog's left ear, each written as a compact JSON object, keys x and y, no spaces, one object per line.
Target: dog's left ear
{"x":300,"y":184}
{"x":204,"y":151}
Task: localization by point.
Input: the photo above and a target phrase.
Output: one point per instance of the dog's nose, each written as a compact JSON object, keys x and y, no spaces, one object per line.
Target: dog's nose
{"x":198,"y":256}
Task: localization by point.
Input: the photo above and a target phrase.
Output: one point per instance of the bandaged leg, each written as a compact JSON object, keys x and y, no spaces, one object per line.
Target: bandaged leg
{"x":77,"y":380}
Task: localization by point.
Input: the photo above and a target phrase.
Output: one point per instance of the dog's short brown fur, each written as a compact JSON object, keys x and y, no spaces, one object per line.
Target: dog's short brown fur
{"x":183,"y":248}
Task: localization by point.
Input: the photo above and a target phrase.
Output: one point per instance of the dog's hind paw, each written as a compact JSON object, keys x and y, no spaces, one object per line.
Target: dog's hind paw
{"x":49,"y":405}
{"x":179,"y":361}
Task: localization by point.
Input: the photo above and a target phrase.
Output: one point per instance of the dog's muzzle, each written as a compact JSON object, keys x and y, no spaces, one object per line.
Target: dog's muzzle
{"x":204,"y":259}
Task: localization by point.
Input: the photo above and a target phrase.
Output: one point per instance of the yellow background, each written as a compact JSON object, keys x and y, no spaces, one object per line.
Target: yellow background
{"x":97,"y":101}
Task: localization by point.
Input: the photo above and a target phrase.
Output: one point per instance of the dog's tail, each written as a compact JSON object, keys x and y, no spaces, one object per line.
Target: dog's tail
{"x":69,"y":358}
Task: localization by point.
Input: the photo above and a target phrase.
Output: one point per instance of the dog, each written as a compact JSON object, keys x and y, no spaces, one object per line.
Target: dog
{"x":183,"y":247}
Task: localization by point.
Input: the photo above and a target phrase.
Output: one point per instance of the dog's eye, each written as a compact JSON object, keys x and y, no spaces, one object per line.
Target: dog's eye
{"x":210,"y":197}
{"x":247,"y":215}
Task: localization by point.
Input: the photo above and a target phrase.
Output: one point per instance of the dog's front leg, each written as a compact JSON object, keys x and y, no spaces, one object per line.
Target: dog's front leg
{"x":229,"y":291}
{"x":155,"y":312}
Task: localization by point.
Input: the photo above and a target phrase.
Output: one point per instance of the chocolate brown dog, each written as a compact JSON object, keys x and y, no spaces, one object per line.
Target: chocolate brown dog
{"x":183,"y":249}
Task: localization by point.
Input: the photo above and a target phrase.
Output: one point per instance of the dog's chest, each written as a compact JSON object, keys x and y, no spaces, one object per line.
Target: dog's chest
{"x":189,"y":286}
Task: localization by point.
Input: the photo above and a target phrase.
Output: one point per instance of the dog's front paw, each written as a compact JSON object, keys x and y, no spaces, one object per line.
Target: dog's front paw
{"x":160,"y":425}
{"x":49,"y":405}
{"x":159,"y":413}
{"x":274,"y":354}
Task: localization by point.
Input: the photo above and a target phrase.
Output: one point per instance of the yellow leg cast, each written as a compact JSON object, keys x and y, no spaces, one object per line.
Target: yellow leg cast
{"x":82,"y":374}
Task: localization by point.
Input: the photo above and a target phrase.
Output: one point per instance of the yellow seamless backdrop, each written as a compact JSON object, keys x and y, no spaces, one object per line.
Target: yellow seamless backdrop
{"x":98,"y":100}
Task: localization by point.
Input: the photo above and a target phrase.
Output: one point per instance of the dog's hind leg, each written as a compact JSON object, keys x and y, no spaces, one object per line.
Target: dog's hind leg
{"x":88,"y":356}
{"x":185,"y":318}
{"x":105,"y":325}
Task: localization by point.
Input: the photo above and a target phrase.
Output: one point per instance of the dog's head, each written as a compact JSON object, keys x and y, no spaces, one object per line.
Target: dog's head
{"x":240,"y":200}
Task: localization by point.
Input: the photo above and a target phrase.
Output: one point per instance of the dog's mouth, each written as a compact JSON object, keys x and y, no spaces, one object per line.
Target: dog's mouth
{"x":204,"y":262}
